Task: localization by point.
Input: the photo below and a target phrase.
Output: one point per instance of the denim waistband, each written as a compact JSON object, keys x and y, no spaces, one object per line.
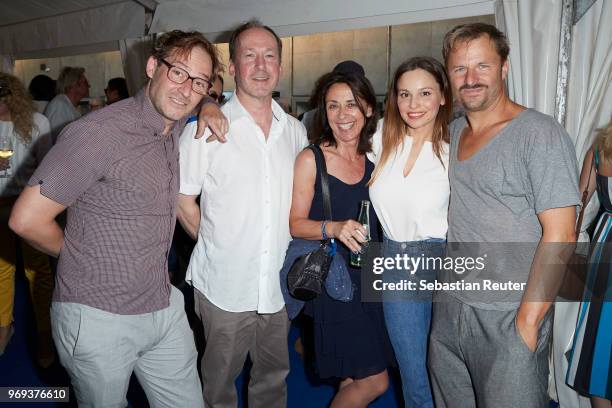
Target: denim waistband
{"x":424,"y":244}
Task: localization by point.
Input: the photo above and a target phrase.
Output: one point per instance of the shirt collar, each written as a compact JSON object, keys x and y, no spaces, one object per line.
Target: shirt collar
{"x":236,"y":111}
{"x":151,"y":118}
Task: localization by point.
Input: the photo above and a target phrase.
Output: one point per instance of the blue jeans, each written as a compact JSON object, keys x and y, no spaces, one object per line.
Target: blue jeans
{"x":408,"y":318}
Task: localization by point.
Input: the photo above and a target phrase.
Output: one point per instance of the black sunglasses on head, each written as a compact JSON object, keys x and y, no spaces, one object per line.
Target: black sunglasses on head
{"x":4,"y":91}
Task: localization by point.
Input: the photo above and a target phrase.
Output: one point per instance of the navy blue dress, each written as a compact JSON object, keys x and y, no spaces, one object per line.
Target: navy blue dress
{"x":350,"y":338}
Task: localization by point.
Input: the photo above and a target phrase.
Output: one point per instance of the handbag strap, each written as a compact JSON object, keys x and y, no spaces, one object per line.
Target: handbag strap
{"x":320,"y":160}
{"x":585,"y":194}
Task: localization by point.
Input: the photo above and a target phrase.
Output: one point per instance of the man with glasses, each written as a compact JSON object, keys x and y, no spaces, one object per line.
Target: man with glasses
{"x":242,"y":227}
{"x":114,"y":310}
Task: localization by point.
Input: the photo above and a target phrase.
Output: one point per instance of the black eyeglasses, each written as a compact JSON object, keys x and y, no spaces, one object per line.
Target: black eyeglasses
{"x":4,"y":91}
{"x":179,"y":75}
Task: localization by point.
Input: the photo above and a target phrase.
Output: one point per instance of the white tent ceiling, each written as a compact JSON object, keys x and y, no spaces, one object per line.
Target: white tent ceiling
{"x":20,"y":11}
{"x":30,"y":28}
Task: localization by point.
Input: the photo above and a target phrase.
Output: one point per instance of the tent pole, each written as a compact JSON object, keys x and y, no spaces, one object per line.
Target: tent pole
{"x":565,"y":50}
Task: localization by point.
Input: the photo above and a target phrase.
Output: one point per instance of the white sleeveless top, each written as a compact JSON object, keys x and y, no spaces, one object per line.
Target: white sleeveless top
{"x":415,"y":207}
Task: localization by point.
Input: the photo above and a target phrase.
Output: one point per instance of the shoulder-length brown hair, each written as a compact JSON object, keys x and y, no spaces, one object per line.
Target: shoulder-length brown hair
{"x":364,"y":96}
{"x":20,"y":106}
{"x":394,"y":127}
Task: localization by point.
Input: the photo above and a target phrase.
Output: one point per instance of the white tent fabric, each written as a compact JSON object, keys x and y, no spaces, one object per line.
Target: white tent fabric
{"x":532,"y":28}
{"x":134,"y":55}
{"x":7,"y":63}
{"x":90,"y":26}
{"x":590,"y":76}
{"x":298,"y":17}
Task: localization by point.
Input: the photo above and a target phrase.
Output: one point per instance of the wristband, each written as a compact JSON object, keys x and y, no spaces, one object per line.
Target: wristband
{"x":323,"y":232}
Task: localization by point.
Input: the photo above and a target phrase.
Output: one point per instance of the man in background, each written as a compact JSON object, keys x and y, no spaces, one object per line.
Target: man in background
{"x":72,"y":86}
{"x":216,"y":91}
{"x":116,"y":90}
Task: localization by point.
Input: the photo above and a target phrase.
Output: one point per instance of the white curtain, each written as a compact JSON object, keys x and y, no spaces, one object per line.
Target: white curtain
{"x":589,"y":102}
{"x":532,"y":28}
{"x":7,"y":63}
{"x":134,"y":55}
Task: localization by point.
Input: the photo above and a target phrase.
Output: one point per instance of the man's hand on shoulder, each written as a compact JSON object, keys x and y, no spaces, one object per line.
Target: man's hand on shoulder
{"x":211,"y":116}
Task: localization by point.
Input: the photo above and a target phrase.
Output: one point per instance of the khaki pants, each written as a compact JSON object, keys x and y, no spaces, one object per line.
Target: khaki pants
{"x":229,"y":338}
{"x":37,"y":271}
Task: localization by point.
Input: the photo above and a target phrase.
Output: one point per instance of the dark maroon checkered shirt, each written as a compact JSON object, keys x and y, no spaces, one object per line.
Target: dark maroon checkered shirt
{"x":118,"y":176}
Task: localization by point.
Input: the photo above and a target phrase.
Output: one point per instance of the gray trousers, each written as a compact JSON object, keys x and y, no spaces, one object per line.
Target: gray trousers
{"x":477,"y":358}
{"x":229,"y":338}
{"x":100,"y":350}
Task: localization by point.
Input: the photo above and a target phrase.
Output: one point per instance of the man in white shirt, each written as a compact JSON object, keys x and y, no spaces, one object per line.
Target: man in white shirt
{"x":72,"y":86}
{"x":243,"y":226}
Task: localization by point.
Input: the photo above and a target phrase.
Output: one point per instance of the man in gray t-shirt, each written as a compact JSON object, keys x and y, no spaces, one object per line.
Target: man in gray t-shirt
{"x":514,"y":188}
{"x":530,"y":168}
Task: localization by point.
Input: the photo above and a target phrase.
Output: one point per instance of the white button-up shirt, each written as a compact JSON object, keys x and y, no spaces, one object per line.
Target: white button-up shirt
{"x":246,"y":186}
{"x":60,"y":112}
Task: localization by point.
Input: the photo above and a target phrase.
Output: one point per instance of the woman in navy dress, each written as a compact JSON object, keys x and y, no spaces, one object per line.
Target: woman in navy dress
{"x":590,"y":366}
{"x":351,"y":342}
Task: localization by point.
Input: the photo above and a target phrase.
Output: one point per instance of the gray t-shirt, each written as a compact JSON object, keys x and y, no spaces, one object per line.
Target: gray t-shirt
{"x":496,"y":195}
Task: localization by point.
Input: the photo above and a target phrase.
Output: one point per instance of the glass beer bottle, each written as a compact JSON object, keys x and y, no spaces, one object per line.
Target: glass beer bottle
{"x":363,"y":219}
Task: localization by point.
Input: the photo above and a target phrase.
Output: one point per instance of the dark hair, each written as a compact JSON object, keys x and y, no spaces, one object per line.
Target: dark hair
{"x":247,"y":26}
{"x":364,"y":96}
{"x":472,"y":31}
{"x":181,"y":43}
{"x":42,"y":88}
{"x":394,"y":127}
{"x":118,"y":84}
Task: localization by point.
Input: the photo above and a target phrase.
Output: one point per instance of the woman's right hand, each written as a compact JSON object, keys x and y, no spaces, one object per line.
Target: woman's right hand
{"x":349,"y":232}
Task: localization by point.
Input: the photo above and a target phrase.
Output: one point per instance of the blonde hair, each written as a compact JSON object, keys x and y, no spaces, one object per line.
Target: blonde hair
{"x":394,"y":127}
{"x":20,"y":106}
{"x":604,"y":142}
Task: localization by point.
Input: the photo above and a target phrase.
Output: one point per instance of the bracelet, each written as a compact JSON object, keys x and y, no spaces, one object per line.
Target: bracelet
{"x":323,"y":232}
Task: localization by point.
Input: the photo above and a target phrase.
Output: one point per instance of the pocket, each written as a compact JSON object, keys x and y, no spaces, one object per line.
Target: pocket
{"x":80,"y":334}
{"x":67,"y":326}
{"x":521,"y":340}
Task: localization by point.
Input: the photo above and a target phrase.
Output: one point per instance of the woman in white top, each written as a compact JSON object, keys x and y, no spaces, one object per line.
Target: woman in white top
{"x":410,"y":193}
{"x":30,"y":135}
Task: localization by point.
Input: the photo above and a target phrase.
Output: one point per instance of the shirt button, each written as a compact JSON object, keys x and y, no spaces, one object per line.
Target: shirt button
{"x":403,"y":246}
